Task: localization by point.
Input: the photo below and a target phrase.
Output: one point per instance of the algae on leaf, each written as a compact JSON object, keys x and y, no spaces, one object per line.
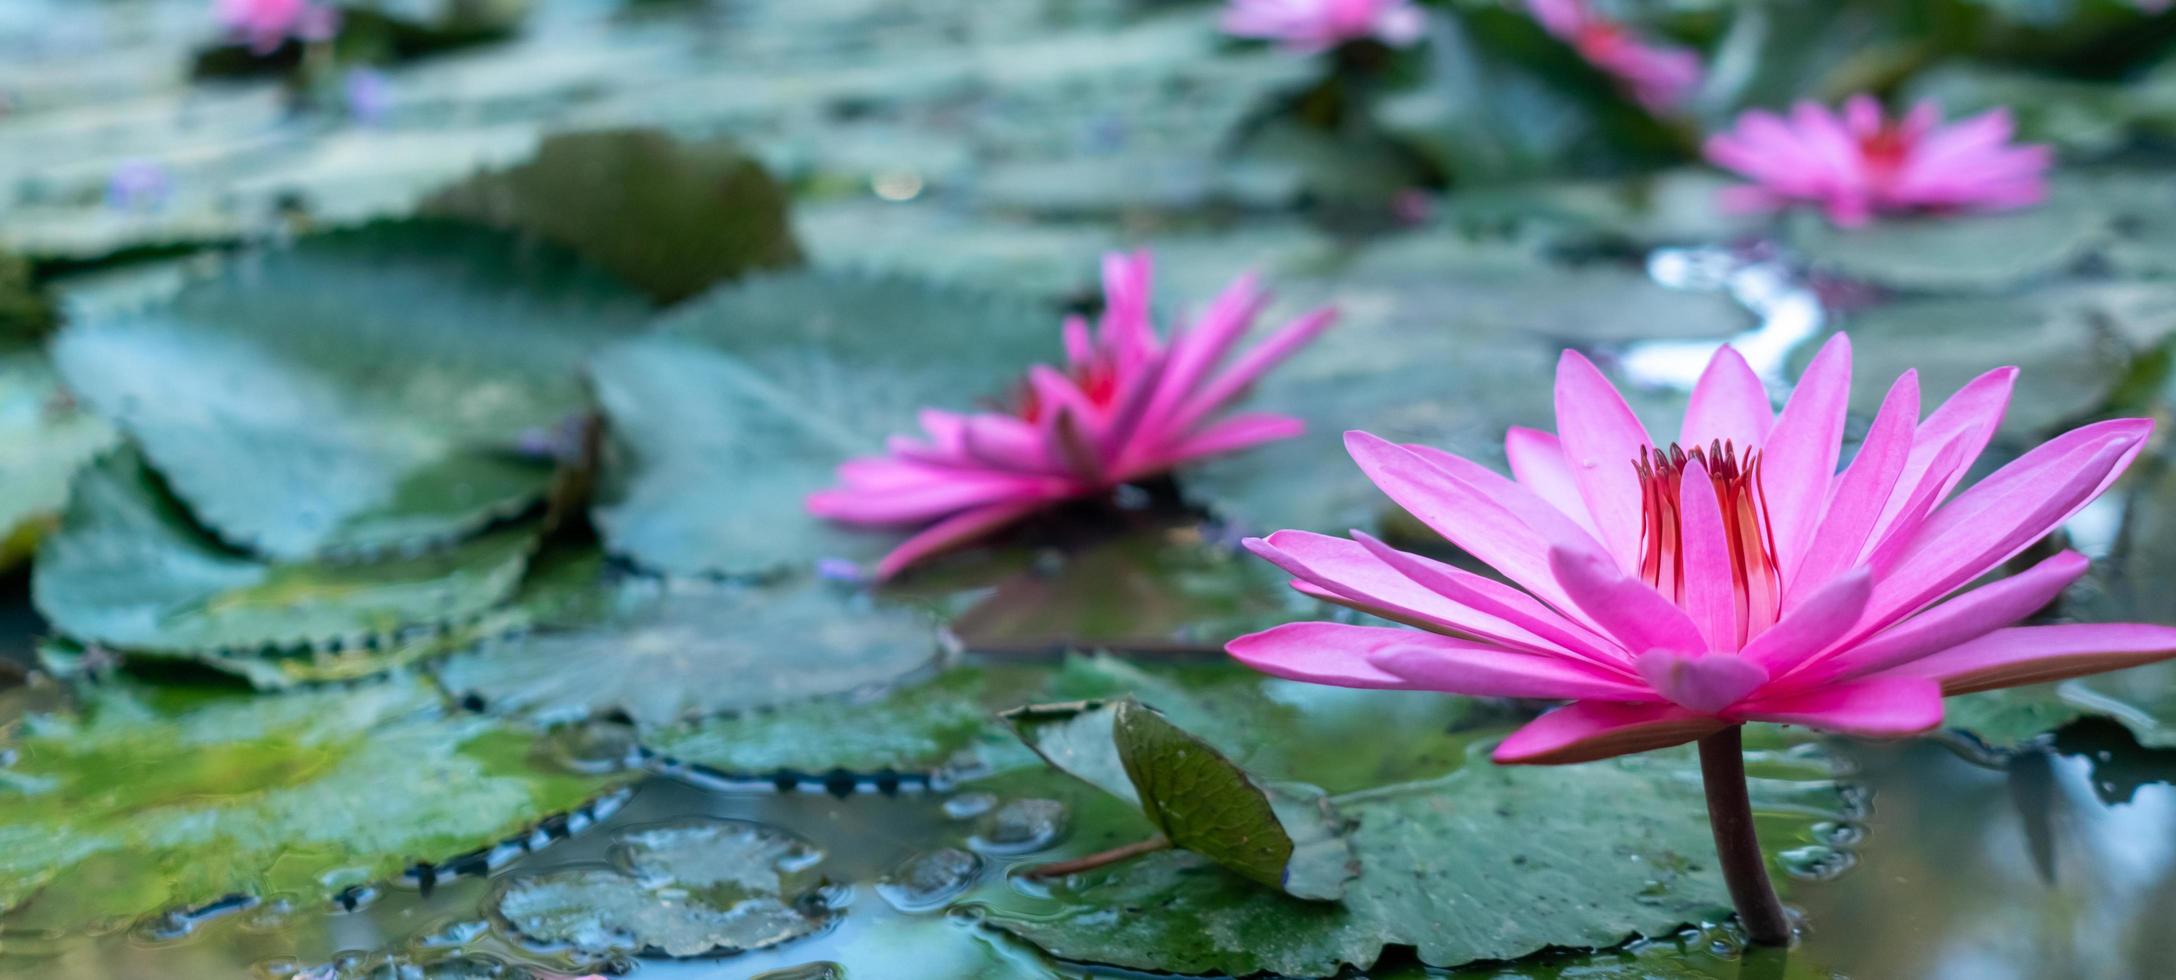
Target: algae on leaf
{"x":150,"y":799}
{"x":361,"y":392}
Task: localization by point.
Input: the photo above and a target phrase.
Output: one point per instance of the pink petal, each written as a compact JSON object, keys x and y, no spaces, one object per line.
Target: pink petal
{"x":1318,"y":653}
{"x":953,"y":531}
{"x":1863,"y":491}
{"x":910,"y":505}
{"x":1972,"y":414}
{"x":1198,"y":349}
{"x":1129,"y":428}
{"x":1348,"y":569}
{"x":1960,"y":620}
{"x":1729,"y":404}
{"x":1588,"y":730}
{"x":1799,"y":459}
{"x":1628,"y":610}
{"x":1601,"y":440}
{"x":1546,"y":519}
{"x":1490,"y":597}
{"x":2005,"y":513}
{"x":1231,"y":435}
{"x":1702,"y":682}
{"x":1464,"y":516}
{"x":1880,"y":707}
{"x":2039,"y":654}
{"x":1814,"y":624}
{"x":1537,"y":460}
{"x":1251,"y":365}
{"x":1710,"y":583}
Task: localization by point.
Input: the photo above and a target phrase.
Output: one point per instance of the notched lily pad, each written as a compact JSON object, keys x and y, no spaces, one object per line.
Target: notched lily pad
{"x":1199,"y":800}
{"x":744,"y":402}
{"x":673,"y":218}
{"x":695,"y":887}
{"x":45,"y":435}
{"x":147,"y":799}
{"x":696,"y":649}
{"x":362,"y":392}
{"x":128,"y":569}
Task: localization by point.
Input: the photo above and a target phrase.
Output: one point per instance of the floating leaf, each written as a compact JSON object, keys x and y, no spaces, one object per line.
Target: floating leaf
{"x":691,"y":888}
{"x":699,"y":649}
{"x":1197,"y":799}
{"x":1488,"y":863}
{"x":360,"y":392}
{"x":128,"y":569}
{"x":742,"y":404}
{"x":44,"y":437}
{"x":155,"y":798}
{"x":1956,"y":252}
{"x":673,"y":218}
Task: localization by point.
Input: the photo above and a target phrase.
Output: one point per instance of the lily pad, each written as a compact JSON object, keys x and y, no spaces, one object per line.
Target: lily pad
{"x":672,"y":218}
{"x":699,"y":649}
{"x":692,"y":888}
{"x":743,"y":403}
{"x":45,"y":435}
{"x":361,"y":392}
{"x":1287,"y":838}
{"x":1957,"y":252}
{"x":1488,"y":863}
{"x":148,"y":799}
{"x":127,"y":569}
{"x":946,"y":723}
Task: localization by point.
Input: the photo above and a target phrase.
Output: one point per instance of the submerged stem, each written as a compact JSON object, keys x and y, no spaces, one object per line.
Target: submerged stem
{"x":1059,"y":869}
{"x":1730,"y":814}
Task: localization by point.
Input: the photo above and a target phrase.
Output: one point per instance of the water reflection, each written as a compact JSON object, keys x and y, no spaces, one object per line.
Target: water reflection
{"x":1788,"y":309}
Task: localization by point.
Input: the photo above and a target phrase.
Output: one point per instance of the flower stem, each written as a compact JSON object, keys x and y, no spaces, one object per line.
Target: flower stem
{"x":1059,"y":869}
{"x":1730,"y":814}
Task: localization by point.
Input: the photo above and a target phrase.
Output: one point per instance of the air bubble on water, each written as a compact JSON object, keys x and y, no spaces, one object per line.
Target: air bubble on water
{"x":968,"y":806}
{"x":927,"y":881}
{"x":1021,"y":826}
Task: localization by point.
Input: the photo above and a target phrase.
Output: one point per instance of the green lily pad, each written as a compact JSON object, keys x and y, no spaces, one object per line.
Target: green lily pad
{"x":699,"y":649}
{"x":946,"y":723}
{"x":672,"y":218}
{"x":149,"y":799}
{"x":378,"y":388}
{"x":1488,"y":863}
{"x":743,"y":403}
{"x":1287,"y":838}
{"x":1153,"y":590}
{"x":691,"y":888}
{"x":127,"y":569}
{"x":45,"y":436}
{"x":1957,"y":252}
{"x":2011,"y":719}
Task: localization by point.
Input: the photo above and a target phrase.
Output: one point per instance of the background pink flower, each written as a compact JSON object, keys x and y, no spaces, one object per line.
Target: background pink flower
{"x":1126,"y":405}
{"x":1310,"y":26}
{"x":266,"y":24}
{"x":1670,"y":593}
{"x":1658,"y":76}
{"x":1861,"y":163}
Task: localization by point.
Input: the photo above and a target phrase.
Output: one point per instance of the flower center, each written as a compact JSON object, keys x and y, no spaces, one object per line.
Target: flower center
{"x":1736,"y":479}
{"x":1096,"y":379}
{"x":1884,"y":150}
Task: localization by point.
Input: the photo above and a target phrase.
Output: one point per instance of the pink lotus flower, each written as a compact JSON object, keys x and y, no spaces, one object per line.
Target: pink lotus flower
{"x":1861,"y":163}
{"x":1672,"y":593}
{"x":267,"y":24}
{"x":1126,"y":406}
{"x":1311,"y":26}
{"x":1658,"y":76}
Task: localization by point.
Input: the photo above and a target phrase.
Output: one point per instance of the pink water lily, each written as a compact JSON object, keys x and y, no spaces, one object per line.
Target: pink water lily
{"x":1127,"y":405}
{"x":1311,"y":26}
{"x":1659,"y":76}
{"x":1672,"y":590}
{"x":266,"y":24}
{"x":1860,"y":163}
